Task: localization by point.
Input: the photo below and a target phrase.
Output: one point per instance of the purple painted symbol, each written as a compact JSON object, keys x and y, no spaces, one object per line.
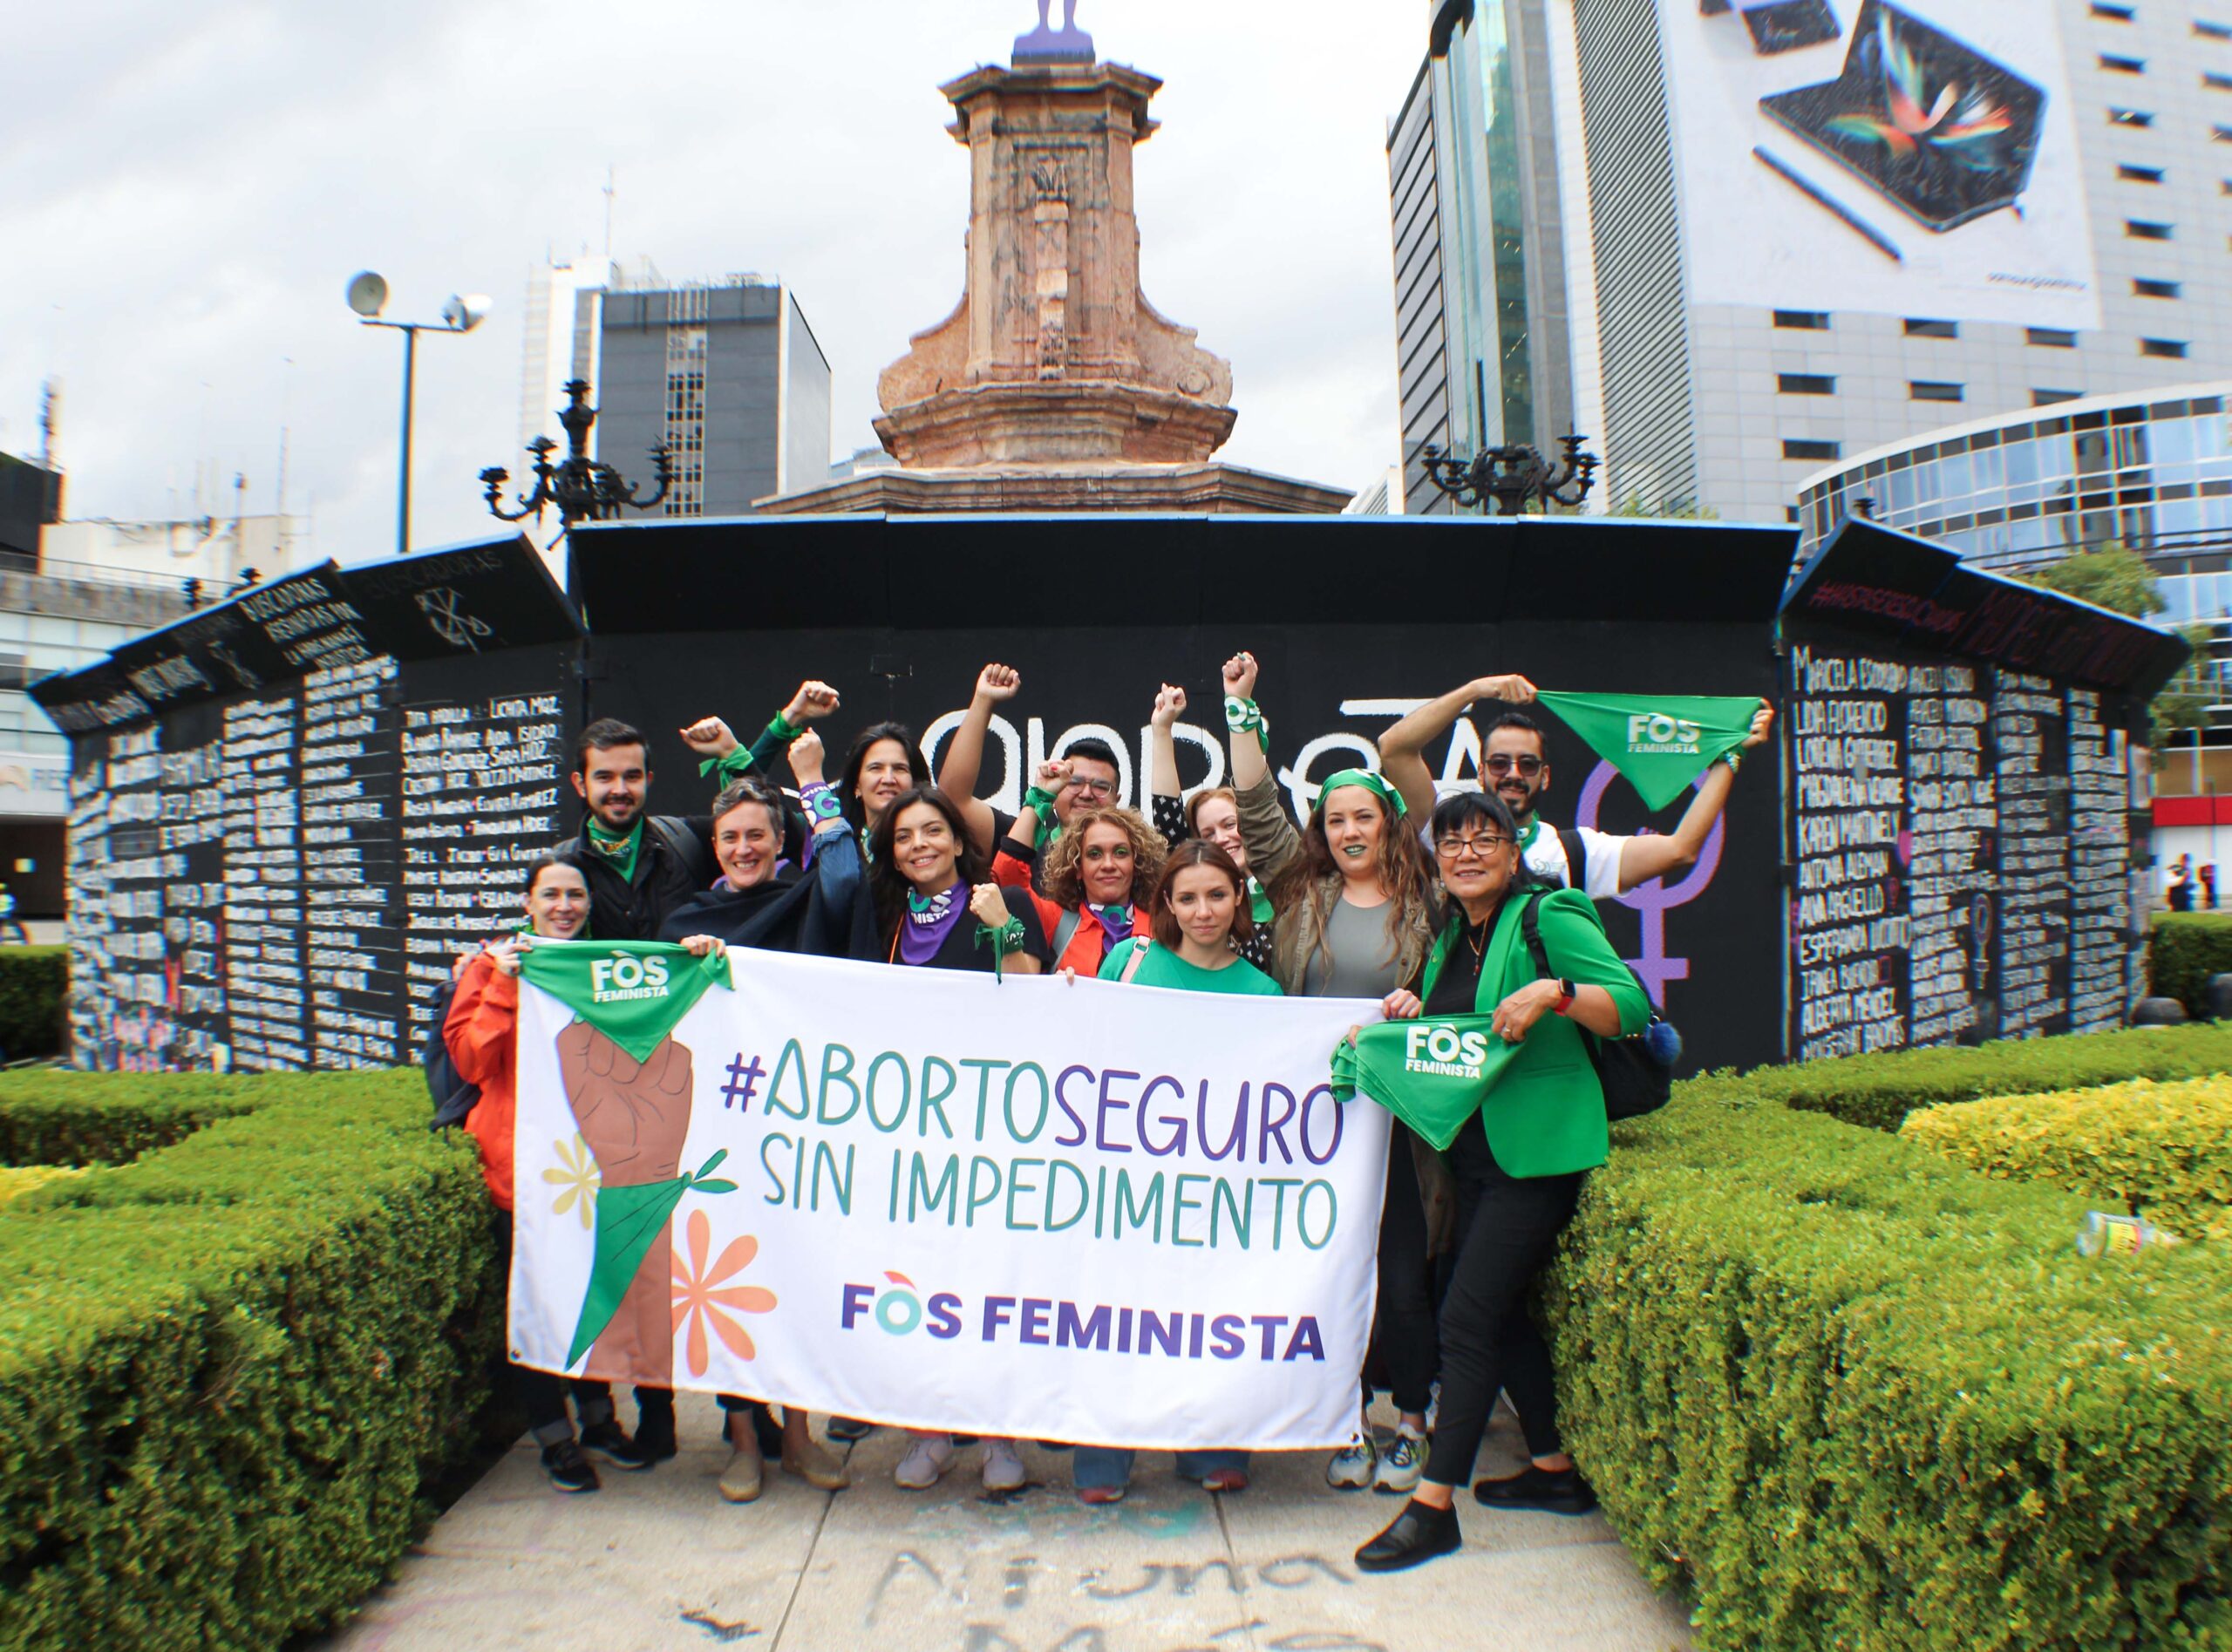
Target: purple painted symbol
{"x":1653,"y":898}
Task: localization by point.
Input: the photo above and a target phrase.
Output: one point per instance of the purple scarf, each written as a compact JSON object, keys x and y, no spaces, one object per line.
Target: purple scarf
{"x":1116,"y":921}
{"x":926,"y":924}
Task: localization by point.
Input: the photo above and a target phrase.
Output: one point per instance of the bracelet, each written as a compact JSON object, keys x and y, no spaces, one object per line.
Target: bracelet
{"x":1241,"y":715}
{"x":1733,"y":759}
{"x":784,"y":729}
{"x":820,"y":802}
{"x":1040,"y":802}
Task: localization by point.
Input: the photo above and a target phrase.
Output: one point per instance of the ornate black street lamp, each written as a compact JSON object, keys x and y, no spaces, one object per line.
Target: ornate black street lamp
{"x":582,"y":488}
{"x":1514,"y":475}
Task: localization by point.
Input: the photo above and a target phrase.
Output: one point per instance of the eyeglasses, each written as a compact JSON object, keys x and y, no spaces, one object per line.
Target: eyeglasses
{"x":1099,"y":788}
{"x":1503,"y":763}
{"x":1482,"y":847}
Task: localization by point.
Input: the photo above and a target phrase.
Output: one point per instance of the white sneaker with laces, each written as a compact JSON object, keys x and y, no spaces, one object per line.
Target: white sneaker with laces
{"x":1004,"y":1469}
{"x":1352,"y":1470}
{"x":1402,"y":1463}
{"x":926,"y":1459}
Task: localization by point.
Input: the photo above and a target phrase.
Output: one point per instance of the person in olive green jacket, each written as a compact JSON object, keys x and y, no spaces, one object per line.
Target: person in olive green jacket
{"x":1518,"y":1162}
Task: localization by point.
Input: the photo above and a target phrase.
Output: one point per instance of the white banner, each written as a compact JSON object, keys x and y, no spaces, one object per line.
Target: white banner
{"x":1106,"y":1214}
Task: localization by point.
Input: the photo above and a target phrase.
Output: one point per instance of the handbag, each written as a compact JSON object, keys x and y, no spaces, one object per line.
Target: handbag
{"x":1636,"y":1073}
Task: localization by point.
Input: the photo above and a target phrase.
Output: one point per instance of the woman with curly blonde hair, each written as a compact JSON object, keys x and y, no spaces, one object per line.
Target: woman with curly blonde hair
{"x":1097,"y":876}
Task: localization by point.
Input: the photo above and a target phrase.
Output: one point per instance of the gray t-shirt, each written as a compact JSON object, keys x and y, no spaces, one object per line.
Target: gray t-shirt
{"x":1363,"y":961}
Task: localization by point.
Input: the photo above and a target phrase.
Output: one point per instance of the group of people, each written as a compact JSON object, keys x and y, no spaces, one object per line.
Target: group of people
{"x":2189,"y":888}
{"x":1387,"y":892}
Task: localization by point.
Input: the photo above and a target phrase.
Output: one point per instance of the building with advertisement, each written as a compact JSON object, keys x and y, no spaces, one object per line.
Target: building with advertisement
{"x":1733,"y":244}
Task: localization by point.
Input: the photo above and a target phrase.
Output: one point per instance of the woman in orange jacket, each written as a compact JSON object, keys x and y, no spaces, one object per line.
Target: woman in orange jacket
{"x":1097,"y":875}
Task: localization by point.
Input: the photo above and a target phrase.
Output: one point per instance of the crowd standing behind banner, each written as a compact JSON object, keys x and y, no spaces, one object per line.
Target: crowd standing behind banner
{"x":1221,"y":893}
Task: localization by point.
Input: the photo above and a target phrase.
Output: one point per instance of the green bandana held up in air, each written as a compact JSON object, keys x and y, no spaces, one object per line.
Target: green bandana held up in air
{"x":1658,"y":742}
{"x":633,"y":993}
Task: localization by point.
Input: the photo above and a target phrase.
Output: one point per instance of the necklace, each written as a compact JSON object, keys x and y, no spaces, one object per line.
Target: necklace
{"x":1477,"y":939}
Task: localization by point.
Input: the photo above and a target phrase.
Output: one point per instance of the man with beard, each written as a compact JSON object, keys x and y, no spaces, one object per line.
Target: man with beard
{"x":1515,"y":765}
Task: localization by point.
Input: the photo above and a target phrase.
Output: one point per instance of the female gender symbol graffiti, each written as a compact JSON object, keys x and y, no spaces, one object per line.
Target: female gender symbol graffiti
{"x":1653,"y":898}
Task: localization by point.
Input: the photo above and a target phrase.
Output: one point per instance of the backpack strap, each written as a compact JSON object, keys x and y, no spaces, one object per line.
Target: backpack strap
{"x":686,"y":847}
{"x":1576,"y":858}
{"x":1530,"y":929}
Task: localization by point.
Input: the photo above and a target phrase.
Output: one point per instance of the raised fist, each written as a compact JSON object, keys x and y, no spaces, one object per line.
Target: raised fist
{"x":709,"y":738}
{"x":997,"y":682}
{"x":814,"y":701}
{"x":1239,"y":675}
{"x":1169,"y":702}
{"x":807,"y":758}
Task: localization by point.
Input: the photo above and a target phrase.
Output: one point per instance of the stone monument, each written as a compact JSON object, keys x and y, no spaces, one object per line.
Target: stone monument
{"x":1054,"y":385}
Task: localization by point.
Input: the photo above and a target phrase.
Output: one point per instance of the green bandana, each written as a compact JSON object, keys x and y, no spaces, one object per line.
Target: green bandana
{"x":628,"y":1219}
{"x":1240,"y":716}
{"x":632,"y":992}
{"x":1660,"y":743}
{"x":1259,"y":904}
{"x":1370,"y":781}
{"x":1432,"y":1074}
{"x":621,"y":850}
{"x":738,"y":764}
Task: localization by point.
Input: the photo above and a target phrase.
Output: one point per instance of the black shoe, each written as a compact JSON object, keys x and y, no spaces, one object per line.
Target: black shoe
{"x":1552,"y":1491}
{"x":654,"y":1440}
{"x":609,"y":1441}
{"x":569,"y":1470}
{"x":848,"y":1430}
{"x":1418,"y":1534}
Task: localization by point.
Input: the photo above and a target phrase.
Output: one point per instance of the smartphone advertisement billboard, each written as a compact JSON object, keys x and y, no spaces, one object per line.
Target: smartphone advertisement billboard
{"x":1916,"y":158}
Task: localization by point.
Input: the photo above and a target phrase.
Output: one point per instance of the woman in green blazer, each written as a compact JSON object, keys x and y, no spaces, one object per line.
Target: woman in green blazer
{"x":1518,"y":1162}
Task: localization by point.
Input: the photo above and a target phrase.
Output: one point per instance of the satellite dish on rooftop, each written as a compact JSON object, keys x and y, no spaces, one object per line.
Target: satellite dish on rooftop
{"x":367,"y":293}
{"x":465,"y":313}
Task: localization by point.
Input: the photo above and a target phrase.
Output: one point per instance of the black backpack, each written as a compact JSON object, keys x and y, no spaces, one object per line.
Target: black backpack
{"x":453,"y":1097}
{"x":1634,"y":1078}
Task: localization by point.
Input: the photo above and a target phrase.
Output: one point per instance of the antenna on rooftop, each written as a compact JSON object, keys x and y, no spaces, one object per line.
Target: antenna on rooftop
{"x":49,"y":415}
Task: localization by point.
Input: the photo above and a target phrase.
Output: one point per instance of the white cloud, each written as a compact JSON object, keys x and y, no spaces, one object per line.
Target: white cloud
{"x":185,"y":190}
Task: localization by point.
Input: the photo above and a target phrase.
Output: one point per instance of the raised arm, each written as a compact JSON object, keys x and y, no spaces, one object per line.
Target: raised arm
{"x":1643,"y":859}
{"x":1267,"y":829}
{"x":713,"y":739}
{"x":1166,"y":794}
{"x":964,"y":752}
{"x":1403,"y":748}
{"x":1250,"y":735}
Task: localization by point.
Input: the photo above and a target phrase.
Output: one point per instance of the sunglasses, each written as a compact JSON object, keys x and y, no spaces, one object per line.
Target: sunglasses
{"x":1504,"y":764}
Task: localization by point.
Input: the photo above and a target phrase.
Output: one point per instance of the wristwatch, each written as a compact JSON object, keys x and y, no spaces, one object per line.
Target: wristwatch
{"x":1565,"y":998}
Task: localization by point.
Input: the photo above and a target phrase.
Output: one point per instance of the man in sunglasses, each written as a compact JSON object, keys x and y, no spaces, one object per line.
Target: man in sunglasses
{"x":1514,"y":764}
{"x":1083,"y":776}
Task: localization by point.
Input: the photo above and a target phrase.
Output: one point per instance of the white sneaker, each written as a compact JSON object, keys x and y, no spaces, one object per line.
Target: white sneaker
{"x":1003,"y":1466}
{"x":1402,"y":1463}
{"x":926,"y":1459}
{"x":1352,"y":1470}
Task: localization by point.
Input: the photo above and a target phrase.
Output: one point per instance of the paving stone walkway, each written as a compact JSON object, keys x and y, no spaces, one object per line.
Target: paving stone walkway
{"x":655,"y":1562}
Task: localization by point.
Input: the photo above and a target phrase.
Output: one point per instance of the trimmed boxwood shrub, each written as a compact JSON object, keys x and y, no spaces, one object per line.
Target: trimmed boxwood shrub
{"x":1879,"y":1091}
{"x":2185,"y":950}
{"x":2162,"y":1151}
{"x":50,"y":1116}
{"x":1848,"y":1394}
{"x":228,"y":1371}
{"x":34,"y":1000}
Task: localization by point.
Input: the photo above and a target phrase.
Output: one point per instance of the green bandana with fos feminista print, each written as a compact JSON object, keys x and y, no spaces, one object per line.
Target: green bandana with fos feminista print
{"x":633,"y":993}
{"x":1659,"y":743}
{"x":1432,"y":1074}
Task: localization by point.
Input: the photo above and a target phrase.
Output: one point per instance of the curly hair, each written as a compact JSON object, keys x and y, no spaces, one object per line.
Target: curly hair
{"x":1399,"y":865}
{"x":1065,"y":881}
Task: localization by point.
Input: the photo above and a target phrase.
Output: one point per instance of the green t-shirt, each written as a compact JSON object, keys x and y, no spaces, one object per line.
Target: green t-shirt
{"x":1160,"y":967}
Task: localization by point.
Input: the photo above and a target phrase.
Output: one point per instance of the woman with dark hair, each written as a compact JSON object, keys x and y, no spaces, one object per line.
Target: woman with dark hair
{"x":1519,"y":1160}
{"x":761,"y":901}
{"x":936,"y":909}
{"x":1212,"y":814}
{"x":885,"y":760}
{"x":1201,"y":920}
{"x":1097,"y":875}
{"x":481,"y":1035}
{"x":1354,"y":903}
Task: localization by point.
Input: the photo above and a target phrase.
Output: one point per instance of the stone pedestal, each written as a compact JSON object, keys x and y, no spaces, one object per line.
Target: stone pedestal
{"x":1206,"y":489}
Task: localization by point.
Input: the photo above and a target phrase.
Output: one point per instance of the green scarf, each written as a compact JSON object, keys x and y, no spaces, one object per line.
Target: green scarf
{"x":1432,"y":1073}
{"x":1371,"y":781}
{"x":629,"y":1220}
{"x":633,"y":992}
{"x":1660,"y":743}
{"x":1259,"y":904}
{"x":620,"y":851}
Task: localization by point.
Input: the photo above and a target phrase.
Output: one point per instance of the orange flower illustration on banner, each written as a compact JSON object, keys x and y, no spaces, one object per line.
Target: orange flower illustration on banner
{"x":703,"y":1297}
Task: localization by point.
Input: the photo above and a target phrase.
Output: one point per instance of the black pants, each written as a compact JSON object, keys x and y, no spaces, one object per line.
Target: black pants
{"x":1405,"y":1332}
{"x":543,"y":1394}
{"x":1507,"y":1227}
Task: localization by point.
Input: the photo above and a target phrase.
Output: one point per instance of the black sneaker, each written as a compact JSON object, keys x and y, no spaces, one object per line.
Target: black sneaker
{"x":609,"y":1441}
{"x":1552,"y":1491}
{"x":848,"y":1430}
{"x":1418,"y":1534}
{"x":654,"y":1440}
{"x":569,"y":1470}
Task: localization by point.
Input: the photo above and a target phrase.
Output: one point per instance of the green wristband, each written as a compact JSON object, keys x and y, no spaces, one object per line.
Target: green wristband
{"x":784,"y":729}
{"x":1241,"y":715}
{"x":1040,"y":802}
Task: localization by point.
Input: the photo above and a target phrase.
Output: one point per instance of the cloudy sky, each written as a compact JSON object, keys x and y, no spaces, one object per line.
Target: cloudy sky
{"x":186,"y":189}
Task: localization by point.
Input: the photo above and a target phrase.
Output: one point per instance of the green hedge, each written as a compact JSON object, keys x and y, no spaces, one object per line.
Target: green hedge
{"x":50,"y":1116}
{"x":2185,"y":949}
{"x":229,"y":1371}
{"x":1847,"y":1394}
{"x":34,"y":1000}
{"x":1878,"y":1091}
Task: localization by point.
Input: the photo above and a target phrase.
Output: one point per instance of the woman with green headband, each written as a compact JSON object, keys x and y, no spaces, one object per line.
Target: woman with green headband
{"x":1353,"y":898}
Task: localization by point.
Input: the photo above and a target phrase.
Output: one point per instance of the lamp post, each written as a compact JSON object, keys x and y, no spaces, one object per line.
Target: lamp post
{"x":582,"y":488}
{"x":1514,"y":475}
{"x":368,"y":296}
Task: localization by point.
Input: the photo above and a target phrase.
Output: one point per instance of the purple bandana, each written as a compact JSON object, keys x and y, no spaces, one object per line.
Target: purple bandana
{"x":928,"y":923}
{"x":1116,"y":921}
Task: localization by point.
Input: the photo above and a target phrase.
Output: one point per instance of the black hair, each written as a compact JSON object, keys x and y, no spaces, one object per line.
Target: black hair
{"x":602,"y":736}
{"x":1478,"y":809}
{"x":1518,"y":720}
{"x":887,"y":885}
{"x":855,"y":759}
{"x":1098,"y":750}
{"x":542,"y":863}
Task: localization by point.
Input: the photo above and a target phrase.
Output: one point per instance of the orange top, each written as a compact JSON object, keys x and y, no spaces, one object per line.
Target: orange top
{"x":483,"y":1022}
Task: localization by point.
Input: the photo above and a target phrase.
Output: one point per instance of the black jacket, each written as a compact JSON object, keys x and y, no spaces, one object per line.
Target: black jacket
{"x":675,"y":862}
{"x":823,"y":911}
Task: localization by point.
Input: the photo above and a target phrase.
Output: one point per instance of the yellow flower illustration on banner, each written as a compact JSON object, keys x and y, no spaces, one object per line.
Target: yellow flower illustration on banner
{"x":576,"y":1177}
{"x":701,"y":1298}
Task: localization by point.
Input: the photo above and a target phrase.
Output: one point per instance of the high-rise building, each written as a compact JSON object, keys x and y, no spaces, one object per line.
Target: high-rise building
{"x":1735,"y":243}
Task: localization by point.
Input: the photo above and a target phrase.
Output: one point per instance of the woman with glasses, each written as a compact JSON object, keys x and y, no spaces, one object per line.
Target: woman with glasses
{"x":1211,"y":815}
{"x":1518,"y":1162}
{"x":1354,"y":905}
{"x":1097,"y":875}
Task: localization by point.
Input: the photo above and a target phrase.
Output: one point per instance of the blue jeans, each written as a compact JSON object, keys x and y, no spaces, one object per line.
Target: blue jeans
{"x":1103,"y":1465}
